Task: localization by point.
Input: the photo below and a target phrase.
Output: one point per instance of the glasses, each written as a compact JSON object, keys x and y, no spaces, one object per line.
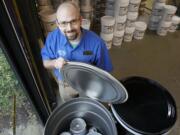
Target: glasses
{"x":72,"y":23}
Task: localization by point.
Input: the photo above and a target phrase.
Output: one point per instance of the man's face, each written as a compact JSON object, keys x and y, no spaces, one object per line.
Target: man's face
{"x":69,"y":22}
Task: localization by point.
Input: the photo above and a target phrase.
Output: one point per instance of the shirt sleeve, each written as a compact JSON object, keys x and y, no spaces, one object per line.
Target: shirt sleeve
{"x":47,"y":51}
{"x":103,"y":60}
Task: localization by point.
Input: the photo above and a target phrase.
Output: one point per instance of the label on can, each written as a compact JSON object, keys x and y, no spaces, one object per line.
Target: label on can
{"x":154,"y":24}
{"x":117,"y":40}
{"x":130,"y":23}
{"x":123,"y":11}
{"x":162,"y":31}
{"x":133,"y":7}
{"x":168,"y":17}
{"x":107,"y":29}
{"x":120,"y":26}
{"x":173,"y":27}
{"x":157,"y":12}
{"x":128,"y":37}
{"x":138,"y":34}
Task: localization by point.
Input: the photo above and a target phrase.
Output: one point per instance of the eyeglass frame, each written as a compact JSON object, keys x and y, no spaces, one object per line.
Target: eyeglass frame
{"x":65,"y":24}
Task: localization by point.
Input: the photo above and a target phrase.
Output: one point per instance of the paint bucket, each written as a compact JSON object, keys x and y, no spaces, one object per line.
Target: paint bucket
{"x":149,"y":110}
{"x":154,"y":22}
{"x":163,"y":28}
{"x":134,"y":5}
{"x":107,"y":24}
{"x":168,"y":12}
{"x":87,"y":12}
{"x":120,"y":23}
{"x":131,"y":18}
{"x":109,"y":12}
{"x":121,"y":7}
{"x":157,"y":8}
{"x":175,"y":23}
{"x":108,"y":39}
{"x":140,"y":28}
{"x":142,"y":7}
{"x":128,"y":34}
{"x":110,"y":5}
{"x":118,"y":38}
{"x":86,"y":24}
{"x":48,"y":18}
{"x":86,"y":3}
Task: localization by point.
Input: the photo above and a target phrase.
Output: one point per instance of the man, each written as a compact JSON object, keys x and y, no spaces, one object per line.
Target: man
{"x":69,"y":42}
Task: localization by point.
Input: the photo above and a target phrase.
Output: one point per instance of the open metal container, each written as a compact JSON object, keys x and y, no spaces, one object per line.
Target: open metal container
{"x":149,"y":110}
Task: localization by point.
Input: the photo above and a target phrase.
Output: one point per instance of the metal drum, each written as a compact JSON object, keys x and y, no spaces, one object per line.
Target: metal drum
{"x":91,"y":111}
{"x":149,"y":110}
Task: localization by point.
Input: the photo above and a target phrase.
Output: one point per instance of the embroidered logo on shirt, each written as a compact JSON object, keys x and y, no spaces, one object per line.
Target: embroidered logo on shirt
{"x":61,"y":53}
{"x":87,"y":52}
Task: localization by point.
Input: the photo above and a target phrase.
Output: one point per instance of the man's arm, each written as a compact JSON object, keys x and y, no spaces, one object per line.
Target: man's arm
{"x":103,"y":59}
{"x":56,"y":63}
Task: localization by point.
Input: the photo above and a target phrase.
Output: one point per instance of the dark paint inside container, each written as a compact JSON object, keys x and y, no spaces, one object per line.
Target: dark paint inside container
{"x":149,"y":110}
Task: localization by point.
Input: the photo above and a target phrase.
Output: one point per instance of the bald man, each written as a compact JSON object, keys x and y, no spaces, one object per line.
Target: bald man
{"x":70,"y":42}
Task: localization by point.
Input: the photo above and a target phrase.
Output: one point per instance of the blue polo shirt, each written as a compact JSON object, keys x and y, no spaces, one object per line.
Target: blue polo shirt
{"x":91,"y":50}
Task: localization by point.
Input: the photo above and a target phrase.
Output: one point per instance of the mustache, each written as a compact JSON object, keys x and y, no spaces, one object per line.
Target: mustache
{"x":70,"y":31}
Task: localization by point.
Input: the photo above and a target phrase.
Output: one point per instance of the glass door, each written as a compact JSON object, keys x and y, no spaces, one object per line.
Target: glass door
{"x":17,"y":114}
{"x":27,"y":97}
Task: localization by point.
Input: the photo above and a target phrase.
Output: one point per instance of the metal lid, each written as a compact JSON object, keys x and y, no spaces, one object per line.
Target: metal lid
{"x":93,"y":82}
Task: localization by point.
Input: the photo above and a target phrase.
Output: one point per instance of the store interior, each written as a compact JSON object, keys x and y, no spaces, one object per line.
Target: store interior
{"x":142,"y":40}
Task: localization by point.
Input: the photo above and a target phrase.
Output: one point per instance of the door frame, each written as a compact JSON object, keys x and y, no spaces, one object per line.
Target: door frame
{"x":20,"y":45}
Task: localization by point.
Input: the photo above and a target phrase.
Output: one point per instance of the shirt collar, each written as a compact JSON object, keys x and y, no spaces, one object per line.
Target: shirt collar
{"x":64,"y":40}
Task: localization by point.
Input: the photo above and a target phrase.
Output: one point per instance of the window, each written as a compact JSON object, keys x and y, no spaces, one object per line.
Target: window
{"x":17,"y":115}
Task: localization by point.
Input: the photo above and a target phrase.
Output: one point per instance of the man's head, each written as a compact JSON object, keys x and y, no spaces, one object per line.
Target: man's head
{"x":69,"y":20}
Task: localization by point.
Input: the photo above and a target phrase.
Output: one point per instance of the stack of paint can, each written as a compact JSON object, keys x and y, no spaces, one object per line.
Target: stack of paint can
{"x":47,"y":16}
{"x":156,"y":14}
{"x":120,"y":14}
{"x":140,"y":28}
{"x":134,"y":5}
{"x":130,"y":26}
{"x":119,"y":30}
{"x":109,"y":9}
{"x":121,"y":7}
{"x":175,"y":23}
{"x":142,"y":7}
{"x":107,"y":29}
{"x":86,"y":7}
{"x":166,"y":20}
{"x":99,"y":11}
{"x":132,"y":16}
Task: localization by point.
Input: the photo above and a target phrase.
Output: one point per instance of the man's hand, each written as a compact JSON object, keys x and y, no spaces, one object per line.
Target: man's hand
{"x":58,"y":63}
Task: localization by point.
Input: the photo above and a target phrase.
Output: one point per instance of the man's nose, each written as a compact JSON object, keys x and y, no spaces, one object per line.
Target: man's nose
{"x":69,"y":26}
